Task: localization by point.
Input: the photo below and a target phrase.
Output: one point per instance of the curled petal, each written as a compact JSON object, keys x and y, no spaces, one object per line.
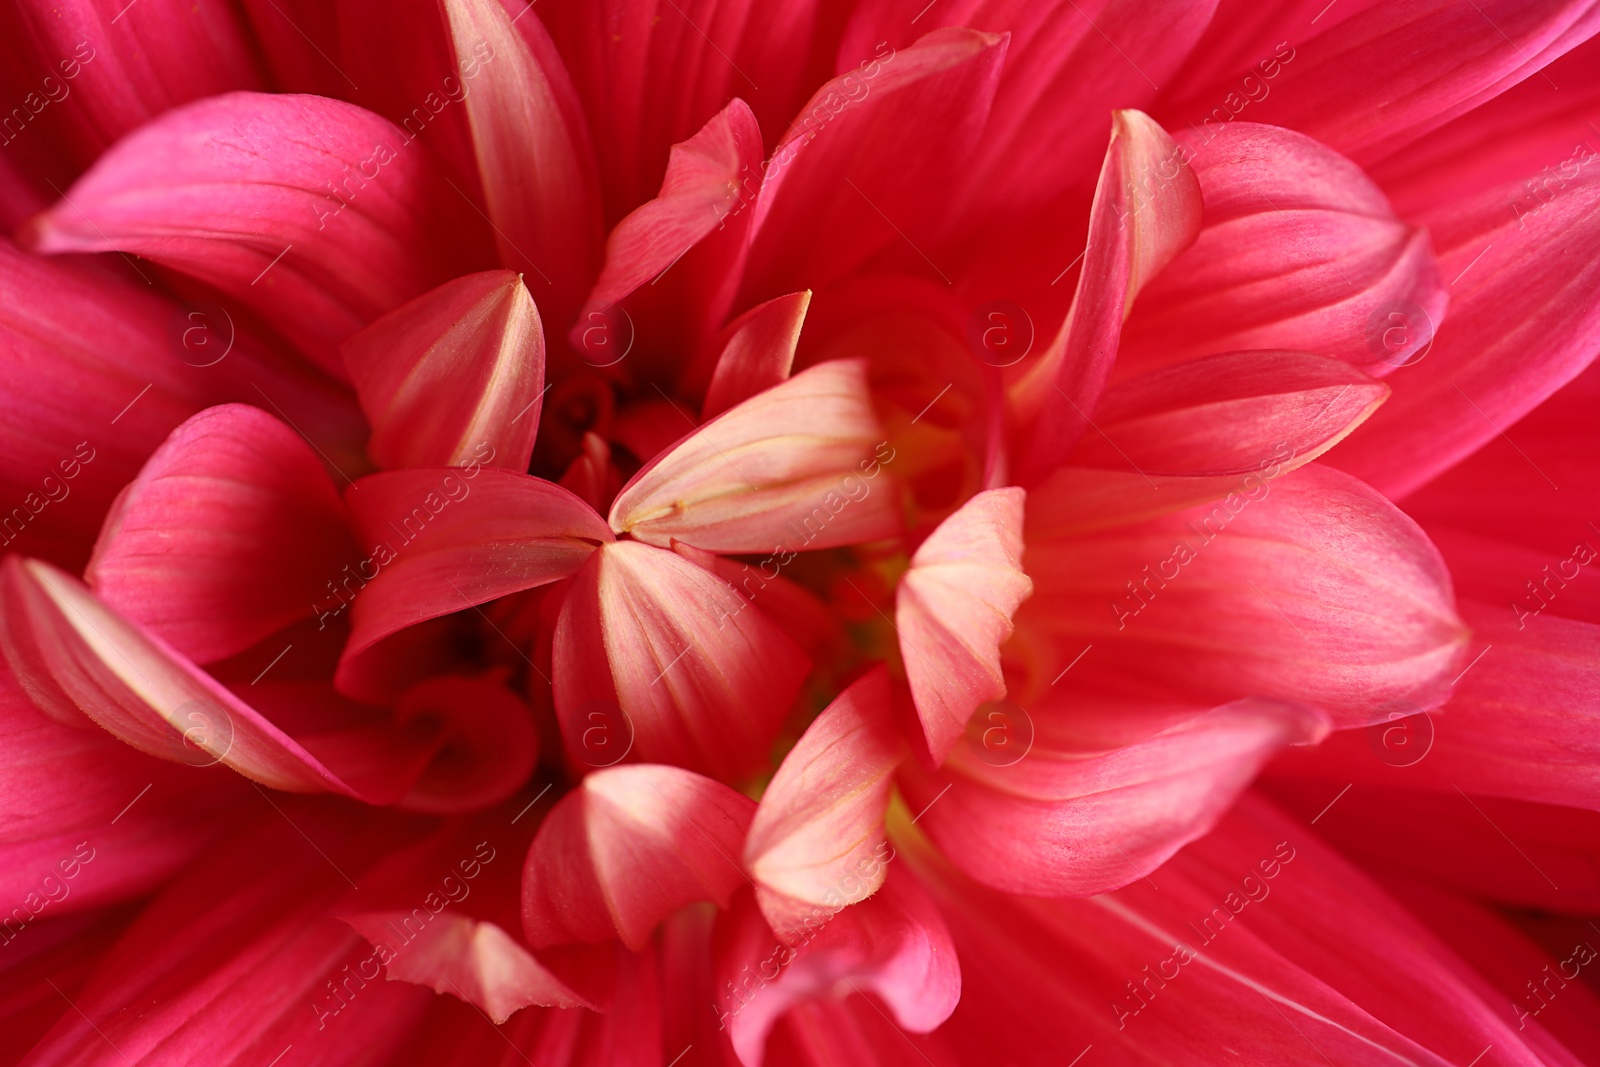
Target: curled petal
{"x":1298,"y":250}
{"x":1147,"y":209}
{"x":784,"y":467}
{"x":315,"y":212}
{"x":456,"y":369}
{"x":628,"y":848}
{"x":953,"y":611}
{"x":658,"y":659}
{"x":894,"y":944}
{"x":1075,"y":818}
{"x":230,"y":533}
{"x":758,"y":352}
{"x":817,"y":839}
{"x":488,"y":749}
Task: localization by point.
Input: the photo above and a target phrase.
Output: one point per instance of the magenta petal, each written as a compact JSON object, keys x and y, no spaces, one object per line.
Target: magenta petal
{"x":628,"y":848}
{"x":317,"y":213}
{"x":230,"y":533}
{"x":453,"y":376}
{"x":757,"y":352}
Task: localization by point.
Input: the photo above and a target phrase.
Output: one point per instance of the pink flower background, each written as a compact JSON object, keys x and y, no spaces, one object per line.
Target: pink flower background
{"x":799,"y":532}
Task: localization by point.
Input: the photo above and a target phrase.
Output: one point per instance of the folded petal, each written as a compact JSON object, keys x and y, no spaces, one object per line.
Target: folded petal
{"x":1523,"y":322}
{"x":1222,"y":414}
{"x":1299,"y":249}
{"x":457,"y":369}
{"x":69,"y":651}
{"x":1145,"y":174}
{"x":704,"y":184}
{"x":784,"y":467}
{"x":758,"y":352}
{"x":816,"y":842}
{"x":864,"y":166}
{"x":895,"y":945}
{"x":953,"y":611}
{"x":315,"y":213}
{"x":447,"y":539}
{"x":230,"y":533}
{"x":1075,"y":816}
{"x":626,"y":849}
{"x":456,"y":932}
{"x":1308,"y":587}
{"x":531,"y":145}
{"x":658,"y":660}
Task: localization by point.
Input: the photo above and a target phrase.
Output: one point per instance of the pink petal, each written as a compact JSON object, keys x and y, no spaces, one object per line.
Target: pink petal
{"x":628,"y":848}
{"x":1221,"y":415}
{"x":229,"y":534}
{"x":71,"y":651}
{"x":865,"y":165}
{"x":310,"y":211}
{"x":659,"y":660}
{"x":1259,"y":940}
{"x":134,"y":63}
{"x":953,"y":611}
{"x":531,"y":145}
{"x":1386,"y":76}
{"x":1298,"y":250}
{"x":785,"y":468}
{"x":894,"y":944}
{"x":796,"y":610}
{"x":1320,"y":592}
{"x":758,"y":352}
{"x":490,"y":749}
{"x":455,"y":370}
{"x":1523,"y":322}
{"x":447,"y":539}
{"x":650,"y":74}
{"x":1145,"y":174}
{"x":1077,"y":816}
{"x":101,"y":371}
{"x":817,"y":840}
{"x":244,"y":933}
{"x":456,"y":932}
{"x":702,"y":186}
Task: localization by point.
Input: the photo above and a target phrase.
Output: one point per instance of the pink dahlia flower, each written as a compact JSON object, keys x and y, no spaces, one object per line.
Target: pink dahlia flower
{"x":799,"y":532}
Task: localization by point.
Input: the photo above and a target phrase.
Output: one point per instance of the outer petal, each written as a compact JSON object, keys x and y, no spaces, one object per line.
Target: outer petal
{"x":134,"y":64}
{"x":1383,"y":78}
{"x":758,"y":352}
{"x":70,"y":651}
{"x":1260,"y":940}
{"x":895,"y":945}
{"x":453,"y":371}
{"x":1221,"y":414}
{"x":314,"y":212}
{"x":650,"y":639}
{"x":444,"y":540}
{"x":1298,"y":250}
{"x":953,"y":611}
{"x":1523,"y":322}
{"x":230,"y":533}
{"x":245,"y":934}
{"x":1146,"y":210}
{"x":1076,"y":816}
{"x":785,"y":466}
{"x":628,"y":848}
{"x":817,"y":837}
